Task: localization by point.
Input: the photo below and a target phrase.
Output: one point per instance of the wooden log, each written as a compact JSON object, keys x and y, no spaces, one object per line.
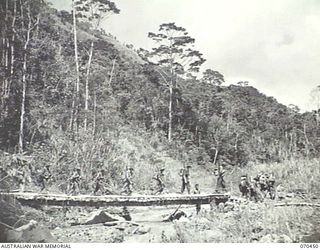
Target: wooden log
{"x":301,"y":204}
{"x":34,"y":199}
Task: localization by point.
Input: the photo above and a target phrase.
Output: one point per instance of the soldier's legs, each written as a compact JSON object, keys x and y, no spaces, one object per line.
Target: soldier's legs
{"x":21,"y":186}
{"x":183,"y":186}
{"x":157,"y":188}
{"x":188,"y":187}
{"x":127,"y":188}
{"x":97,"y":188}
{"x":74,"y":188}
{"x":198,"y":208}
{"x":77,"y":187}
{"x":223,"y":184}
{"x":42,"y":184}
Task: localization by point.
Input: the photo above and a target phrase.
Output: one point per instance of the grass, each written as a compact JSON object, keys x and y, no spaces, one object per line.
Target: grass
{"x":261,"y":222}
{"x":292,"y":175}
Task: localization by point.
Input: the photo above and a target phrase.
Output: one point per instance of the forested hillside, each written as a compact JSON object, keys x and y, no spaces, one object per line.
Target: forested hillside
{"x":71,"y":94}
{"x":85,"y":117}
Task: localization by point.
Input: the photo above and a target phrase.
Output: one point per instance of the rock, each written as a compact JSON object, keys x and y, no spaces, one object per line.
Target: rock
{"x":110,"y":224}
{"x":142,"y":230}
{"x":253,"y":206}
{"x":314,"y":237}
{"x":257,"y":229}
{"x":284,"y":239}
{"x":128,"y":227}
{"x":184,"y":219}
{"x":101,"y":217}
{"x":168,"y":235}
{"x":273,"y":238}
{"x":229,"y":206}
{"x":30,"y":233}
{"x":281,"y":195}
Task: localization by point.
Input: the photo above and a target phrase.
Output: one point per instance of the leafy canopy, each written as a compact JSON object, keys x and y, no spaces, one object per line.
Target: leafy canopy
{"x":176,"y":50}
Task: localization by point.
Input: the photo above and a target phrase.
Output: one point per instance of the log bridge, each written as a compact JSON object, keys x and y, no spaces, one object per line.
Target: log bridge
{"x":38,"y":199}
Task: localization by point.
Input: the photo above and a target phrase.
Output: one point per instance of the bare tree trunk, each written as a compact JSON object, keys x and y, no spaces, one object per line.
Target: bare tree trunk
{"x":12,"y":45}
{"x":24,"y":86}
{"x":215,"y":156}
{"x":94,"y":111}
{"x":306,"y":138}
{"x":24,"y":78}
{"x":77,"y":89}
{"x":112,"y":71}
{"x":86,"y":106}
{"x":170,"y":112}
{"x":6,"y":51}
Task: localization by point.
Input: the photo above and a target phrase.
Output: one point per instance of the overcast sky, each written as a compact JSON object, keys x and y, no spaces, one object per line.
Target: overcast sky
{"x":273,"y":44}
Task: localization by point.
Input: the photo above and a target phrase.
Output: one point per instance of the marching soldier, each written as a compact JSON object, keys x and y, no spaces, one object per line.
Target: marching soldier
{"x":20,"y":174}
{"x":127,"y":182}
{"x":159,"y":177}
{"x":255,"y":192}
{"x":99,"y":179}
{"x":197,"y":191}
{"x":270,"y":185}
{"x":244,"y":186}
{"x":75,"y":181}
{"x":43,"y":178}
{"x":185,"y":179}
{"x":221,"y":184}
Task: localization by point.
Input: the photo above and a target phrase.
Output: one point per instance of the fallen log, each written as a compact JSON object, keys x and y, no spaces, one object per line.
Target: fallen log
{"x":35,"y":199}
{"x":303,"y":204}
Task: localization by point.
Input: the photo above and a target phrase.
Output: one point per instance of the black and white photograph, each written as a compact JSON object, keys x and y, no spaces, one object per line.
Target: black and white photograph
{"x":159,"y":121}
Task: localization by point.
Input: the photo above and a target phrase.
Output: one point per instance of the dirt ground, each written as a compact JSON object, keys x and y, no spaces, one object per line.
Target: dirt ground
{"x":250,"y":222}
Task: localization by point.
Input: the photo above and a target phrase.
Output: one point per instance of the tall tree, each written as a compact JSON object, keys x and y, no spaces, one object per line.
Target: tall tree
{"x":76,"y":95}
{"x":213,"y":77}
{"x":94,"y":12}
{"x":32,"y":21}
{"x":175,"y":57}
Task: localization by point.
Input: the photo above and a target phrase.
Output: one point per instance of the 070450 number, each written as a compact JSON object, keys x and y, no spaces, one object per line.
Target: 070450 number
{"x":309,"y":246}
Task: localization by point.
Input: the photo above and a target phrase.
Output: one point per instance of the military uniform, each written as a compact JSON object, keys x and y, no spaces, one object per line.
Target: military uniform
{"x":270,"y":186}
{"x":197,"y":191}
{"x":160,"y":183}
{"x":244,"y":186}
{"x":221,"y":184}
{"x":99,"y":179}
{"x":75,"y":182}
{"x":255,"y":192}
{"x":185,"y":179}
{"x":44,"y":176}
{"x":21,"y":179}
{"x":127,"y":182}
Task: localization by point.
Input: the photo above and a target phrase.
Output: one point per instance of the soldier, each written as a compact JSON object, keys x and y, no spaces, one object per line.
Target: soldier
{"x":244,"y":186}
{"x":185,"y":178}
{"x":99,"y":179}
{"x":270,"y":186}
{"x":74,"y":181}
{"x":21,"y":178}
{"x":262,"y":182}
{"x":197,"y":191}
{"x":44,"y":176}
{"x":255,"y":192}
{"x":127,"y":182}
{"x":159,"y":179}
{"x":221,"y":184}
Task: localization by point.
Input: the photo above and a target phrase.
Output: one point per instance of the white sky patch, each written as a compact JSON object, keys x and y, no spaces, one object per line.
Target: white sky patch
{"x":275,"y":43}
